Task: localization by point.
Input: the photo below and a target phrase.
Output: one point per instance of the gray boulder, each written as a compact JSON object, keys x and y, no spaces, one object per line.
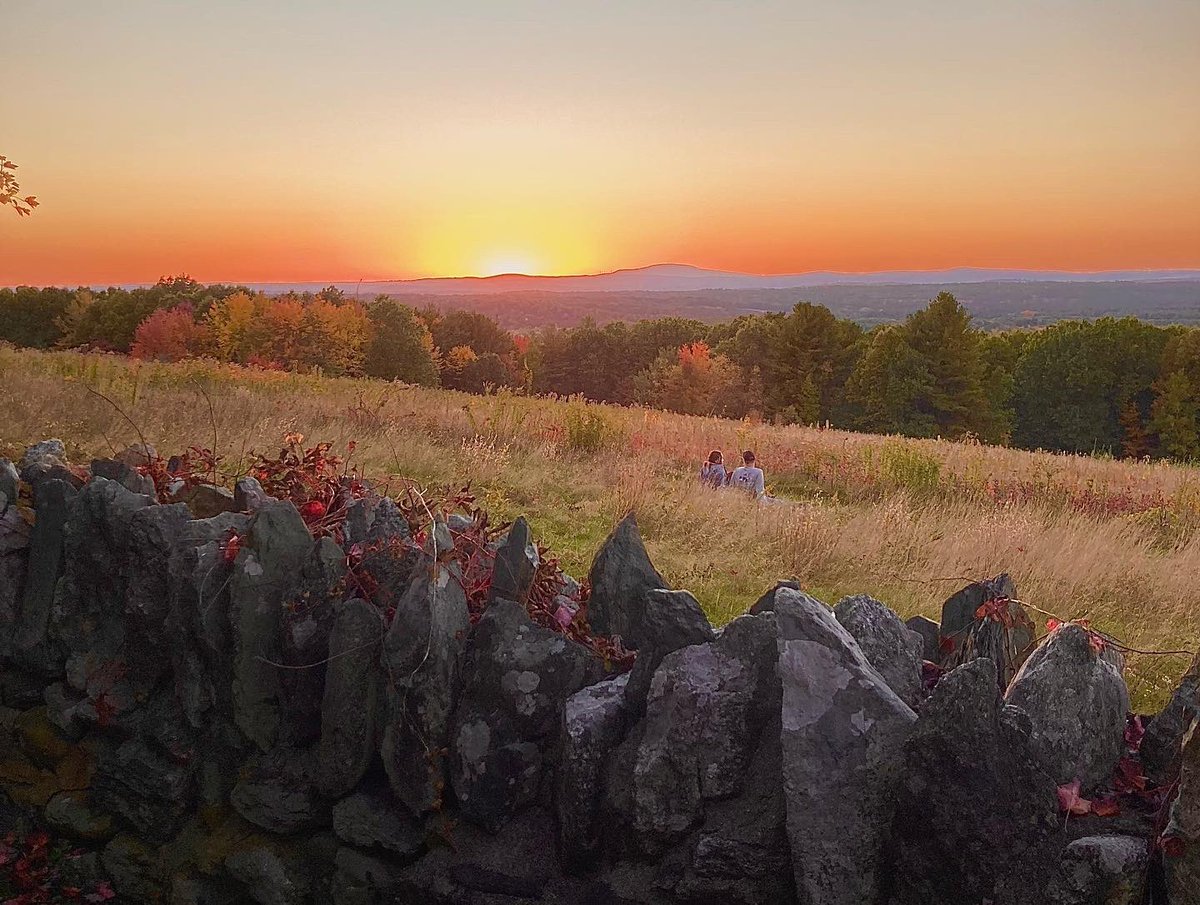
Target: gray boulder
{"x":112,"y":601}
{"x":44,"y":462}
{"x":620,"y":576}
{"x":125,"y":475}
{"x":701,"y":730}
{"x":593,"y":724}
{"x":360,"y":878}
{"x":516,"y":564}
{"x":423,"y":660}
{"x":843,"y":731}
{"x":378,"y":532}
{"x":133,"y":867}
{"x":353,"y":690}
{"x":930,"y":633}
{"x":14,"y":545}
{"x":146,"y":790}
{"x":740,"y":853}
{"x":889,"y":646}
{"x":1077,"y":705}
{"x":374,"y":820}
{"x":10,"y":480}
{"x":46,"y":540}
{"x":1182,"y":858}
{"x":154,"y":534}
{"x":71,"y":813}
{"x":670,"y":620}
{"x":271,"y":874}
{"x":209,"y":500}
{"x":976,"y":816}
{"x":248,"y":495}
{"x":278,"y":792}
{"x":265,"y":574}
{"x":482,"y":868}
{"x":197,"y":621}
{"x":307,"y":621}
{"x":516,"y":683}
{"x":41,"y":455}
{"x":1161,"y":745}
{"x":1102,"y":869}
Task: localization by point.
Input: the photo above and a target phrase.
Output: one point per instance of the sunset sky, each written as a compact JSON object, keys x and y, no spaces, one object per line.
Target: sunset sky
{"x":253,"y":141}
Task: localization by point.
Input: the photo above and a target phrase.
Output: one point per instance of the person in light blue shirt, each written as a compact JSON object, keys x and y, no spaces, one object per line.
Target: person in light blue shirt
{"x":749,"y":477}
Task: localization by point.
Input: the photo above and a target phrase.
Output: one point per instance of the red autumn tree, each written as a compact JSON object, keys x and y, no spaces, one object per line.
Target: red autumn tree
{"x":170,"y":334}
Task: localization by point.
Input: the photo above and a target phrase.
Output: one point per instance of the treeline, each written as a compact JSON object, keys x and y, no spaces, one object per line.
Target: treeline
{"x":1118,"y":386}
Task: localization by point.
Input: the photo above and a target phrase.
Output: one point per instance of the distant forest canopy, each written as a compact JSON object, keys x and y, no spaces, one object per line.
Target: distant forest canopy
{"x":994,"y":304}
{"x":1118,"y":386}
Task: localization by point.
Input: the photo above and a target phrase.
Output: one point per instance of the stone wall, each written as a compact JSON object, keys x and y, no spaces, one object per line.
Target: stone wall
{"x":217,"y":709}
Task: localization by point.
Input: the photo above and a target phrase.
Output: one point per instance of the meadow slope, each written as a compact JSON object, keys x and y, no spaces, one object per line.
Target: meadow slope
{"x":907,"y":521}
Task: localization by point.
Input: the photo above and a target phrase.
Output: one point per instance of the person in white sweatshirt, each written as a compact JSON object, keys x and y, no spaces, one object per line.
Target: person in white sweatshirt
{"x":749,"y":477}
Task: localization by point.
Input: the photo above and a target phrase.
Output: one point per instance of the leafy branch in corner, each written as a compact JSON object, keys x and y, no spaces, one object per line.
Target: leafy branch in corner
{"x":10,"y":190}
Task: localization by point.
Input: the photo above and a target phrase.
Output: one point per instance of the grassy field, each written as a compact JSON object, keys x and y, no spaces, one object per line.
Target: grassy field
{"x":906,"y":521}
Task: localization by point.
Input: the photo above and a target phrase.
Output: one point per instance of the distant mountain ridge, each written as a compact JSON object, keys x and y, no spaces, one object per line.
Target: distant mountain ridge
{"x":687,"y":278}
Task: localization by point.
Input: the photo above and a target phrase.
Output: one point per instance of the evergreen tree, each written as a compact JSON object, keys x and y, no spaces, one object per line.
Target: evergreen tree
{"x":809,"y":357}
{"x":947,"y":345}
{"x":887,"y":385}
{"x":1175,"y":419}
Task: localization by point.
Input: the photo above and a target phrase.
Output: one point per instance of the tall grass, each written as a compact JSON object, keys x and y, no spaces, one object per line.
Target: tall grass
{"x":907,"y":521}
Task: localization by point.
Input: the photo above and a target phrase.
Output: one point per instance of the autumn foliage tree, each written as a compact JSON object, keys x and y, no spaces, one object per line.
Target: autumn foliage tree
{"x":693,"y":381}
{"x":170,"y":334}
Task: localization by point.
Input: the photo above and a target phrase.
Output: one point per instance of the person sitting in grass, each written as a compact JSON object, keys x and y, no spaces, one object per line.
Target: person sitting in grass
{"x":749,"y":477}
{"x":712,"y":472}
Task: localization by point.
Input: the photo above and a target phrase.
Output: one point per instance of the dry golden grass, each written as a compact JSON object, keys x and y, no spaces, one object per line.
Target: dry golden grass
{"x":904,"y":520}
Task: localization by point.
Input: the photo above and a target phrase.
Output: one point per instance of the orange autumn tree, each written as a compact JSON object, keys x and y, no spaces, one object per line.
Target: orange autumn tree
{"x":692,"y":380}
{"x":306,"y":334}
{"x":170,"y":334}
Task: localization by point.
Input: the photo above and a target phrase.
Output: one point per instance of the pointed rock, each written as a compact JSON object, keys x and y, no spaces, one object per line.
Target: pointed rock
{"x":594,"y":720}
{"x":307,"y":621}
{"x":516,"y":564}
{"x":423,"y":660}
{"x":670,"y":620}
{"x":45,"y":566}
{"x":976,"y":817}
{"x":1162,"y":742}
{"x":702,"y":727}
{"x":766,"y":603}
{"x":843,"y":731}
{"x":1077,"y":705}
{"x":353,"y":688}
{"x":885,"y":641}
{"x":265,"y":574}
{"x":930,"y":633}
{"x":620,"y":576}
{"x":517,"y":680}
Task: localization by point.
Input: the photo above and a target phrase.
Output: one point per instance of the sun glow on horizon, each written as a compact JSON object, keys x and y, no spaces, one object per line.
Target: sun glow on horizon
{"x":501,"y":262}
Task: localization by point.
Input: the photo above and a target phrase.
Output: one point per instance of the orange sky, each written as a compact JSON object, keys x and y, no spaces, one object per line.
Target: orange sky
{"x":281,"y":141}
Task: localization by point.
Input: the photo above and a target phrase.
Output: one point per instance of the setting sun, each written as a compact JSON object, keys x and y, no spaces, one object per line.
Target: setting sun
{"x":509,"y":262}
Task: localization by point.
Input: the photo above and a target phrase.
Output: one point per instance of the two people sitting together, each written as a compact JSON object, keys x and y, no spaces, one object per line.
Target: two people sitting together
{"x":747,"y":477}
